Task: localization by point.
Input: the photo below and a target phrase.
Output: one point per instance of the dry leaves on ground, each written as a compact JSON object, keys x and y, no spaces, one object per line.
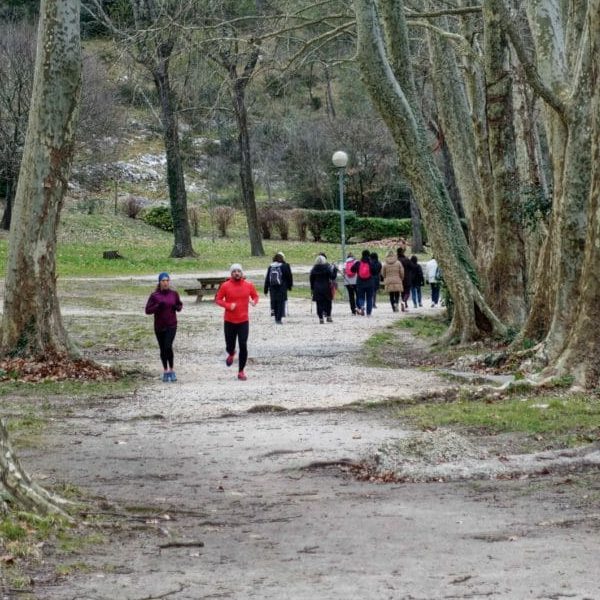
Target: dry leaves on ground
{"x":28,"y":370}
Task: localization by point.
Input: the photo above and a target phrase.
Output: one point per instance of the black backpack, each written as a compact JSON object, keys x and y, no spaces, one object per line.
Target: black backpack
{"x":275,"y":276}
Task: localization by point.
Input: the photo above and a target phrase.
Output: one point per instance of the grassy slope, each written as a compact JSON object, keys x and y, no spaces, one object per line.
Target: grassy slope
{"x":83,"y":238}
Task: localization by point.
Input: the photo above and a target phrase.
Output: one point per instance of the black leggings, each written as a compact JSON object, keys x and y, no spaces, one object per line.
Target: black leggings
{"x":239,"y":331}
{"x":394,"y":299}
{"x":165,"y":343}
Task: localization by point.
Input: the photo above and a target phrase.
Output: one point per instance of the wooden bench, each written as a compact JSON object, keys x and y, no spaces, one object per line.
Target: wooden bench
{"x":208,"y":286}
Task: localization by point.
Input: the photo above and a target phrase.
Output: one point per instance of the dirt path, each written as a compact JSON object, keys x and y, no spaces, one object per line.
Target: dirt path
{"x":198,"y":461}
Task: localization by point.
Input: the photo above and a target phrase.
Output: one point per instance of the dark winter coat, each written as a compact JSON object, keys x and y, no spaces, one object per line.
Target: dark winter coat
{"x":321,"y":278}
{"x":418,"y":279}
{"x":409,"y":271}
{"x":287,"y":280}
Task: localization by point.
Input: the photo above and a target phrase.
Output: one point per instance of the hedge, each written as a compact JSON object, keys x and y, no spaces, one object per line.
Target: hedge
{"x":324,"y":225}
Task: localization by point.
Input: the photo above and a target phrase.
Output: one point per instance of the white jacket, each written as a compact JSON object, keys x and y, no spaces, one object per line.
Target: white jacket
{"x":431,"y":271}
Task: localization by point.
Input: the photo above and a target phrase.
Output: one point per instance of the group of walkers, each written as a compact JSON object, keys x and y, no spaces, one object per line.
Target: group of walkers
{"x":402,"y":278}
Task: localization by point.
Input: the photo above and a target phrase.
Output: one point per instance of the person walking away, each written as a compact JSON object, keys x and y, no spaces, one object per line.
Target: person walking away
{"x":320,"y":287}
{"x":408,"y":277}
{"x":333,"y":273}
{"x":364,"y":284}
{"x":350,"y":281}
{"x":278,"y":281}
{"x":393,"y":274}
{"x":376,"y":270}
{"x":234,"y":295}
{"x":432,"y":275}
{"x":417,"y":283}
{"x":164,"y":303}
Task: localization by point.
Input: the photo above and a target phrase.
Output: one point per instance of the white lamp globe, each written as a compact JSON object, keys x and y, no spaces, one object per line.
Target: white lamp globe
{"x":339,"y":159}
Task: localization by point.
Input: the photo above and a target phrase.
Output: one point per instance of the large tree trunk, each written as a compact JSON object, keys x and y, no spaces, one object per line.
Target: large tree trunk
{"x":507,"y":295}
{"x":239,"y":84}
{"x":455,"y":116}
{"x":564,"y":72}
{"x":175,"y":179}
{"x":579,"y":353}
{"x":7,"y":214}
{"x":561,"y":73}
{"x":32,"y":323}
{"x":415,"y":220}
{"x":155,"y":44}
{"x":392,"y":92}
{"x":533,"y":167}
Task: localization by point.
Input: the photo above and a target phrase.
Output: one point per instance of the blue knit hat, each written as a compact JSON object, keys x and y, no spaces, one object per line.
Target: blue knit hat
{"x":162,"y":276}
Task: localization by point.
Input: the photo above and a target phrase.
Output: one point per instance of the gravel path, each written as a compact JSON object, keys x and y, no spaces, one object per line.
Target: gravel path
{"x":195,"y":462}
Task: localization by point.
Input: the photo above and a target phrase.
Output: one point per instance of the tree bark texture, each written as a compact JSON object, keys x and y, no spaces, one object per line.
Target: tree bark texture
{"x":455,"y":116}
{"x":18,"y":488}
{"x":175,"y":179}
{"x":415,"y":220}
{"x":563,"y":62}
{"x":239,"y":84}
{"x":579,"y":356}
{"x":154,"y":47}
{"x":472,"y":316}
{"x":32,"y":323}
{"x":507,"y":272}
{"x":7,"y":214}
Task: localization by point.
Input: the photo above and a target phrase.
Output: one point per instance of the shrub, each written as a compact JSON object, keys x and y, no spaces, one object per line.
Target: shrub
{"x":301,"y":223}
{"x":194,"y":219}
{"x":325,"y":225}
{"x":90,"y":205}
{"x":320,"y":221}
{"x":223,"y":216}
{"x":282,"y":226}
{"x":333,"y":231}
{"x":133,"y":206}
{"x":159,"y":216}
{"x":267,"y":218}
{"x":374,"y":228}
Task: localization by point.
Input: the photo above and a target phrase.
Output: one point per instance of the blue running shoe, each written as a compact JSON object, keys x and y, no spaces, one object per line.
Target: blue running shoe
{"x":172,"y":376}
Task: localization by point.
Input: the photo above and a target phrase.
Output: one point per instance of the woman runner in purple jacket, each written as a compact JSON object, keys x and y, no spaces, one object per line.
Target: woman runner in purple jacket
{"x":164,"y":304}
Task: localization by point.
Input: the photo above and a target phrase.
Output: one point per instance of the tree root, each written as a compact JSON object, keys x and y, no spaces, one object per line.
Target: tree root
{"x":18,"y":488}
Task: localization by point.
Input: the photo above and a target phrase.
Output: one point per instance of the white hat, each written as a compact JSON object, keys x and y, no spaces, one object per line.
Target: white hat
{"x":236,"y":267}
{"x":281,"y":254}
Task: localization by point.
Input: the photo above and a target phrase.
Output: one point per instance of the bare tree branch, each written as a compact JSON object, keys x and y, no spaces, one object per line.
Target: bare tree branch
{"x":465,"y":10}
{"x":458,"y":39}
{"x":531,"y":72}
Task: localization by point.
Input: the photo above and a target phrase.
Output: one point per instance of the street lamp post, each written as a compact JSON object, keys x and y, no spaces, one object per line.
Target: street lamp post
{"x":340,"y":160}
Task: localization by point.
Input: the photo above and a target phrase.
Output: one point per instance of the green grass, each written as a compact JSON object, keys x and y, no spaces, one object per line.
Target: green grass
{"x":11,"y":530}
{"x":425,"y":327}
{"x":83,"y":238}
{"x":380,"y":338}
{"x":122,"y":332}
{"x":73,"y":542}
{"x":578,"y":416}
